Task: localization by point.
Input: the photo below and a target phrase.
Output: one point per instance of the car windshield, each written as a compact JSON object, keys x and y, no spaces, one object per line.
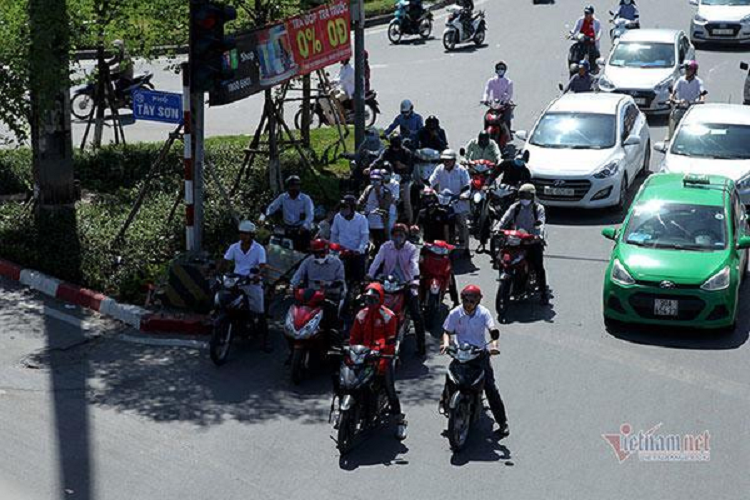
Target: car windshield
{"x":713,"y":140}
{"x":575,"y":131}
{"x":656,"y":224}
{"x":726,"y":2}
{"x":643,"y":55}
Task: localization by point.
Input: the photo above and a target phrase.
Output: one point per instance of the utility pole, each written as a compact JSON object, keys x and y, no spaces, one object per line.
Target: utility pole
{"x":359,"y":73}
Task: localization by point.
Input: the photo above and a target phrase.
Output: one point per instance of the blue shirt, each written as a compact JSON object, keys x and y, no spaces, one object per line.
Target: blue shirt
{"x":409,"y":126}
{"x":629,"y":12}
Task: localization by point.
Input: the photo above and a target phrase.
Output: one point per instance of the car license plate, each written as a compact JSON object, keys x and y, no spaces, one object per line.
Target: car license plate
{"x":665,"y":307}
{"x":723,"y":32}
{"x":641,"y":101}
{"x":553,"y":191}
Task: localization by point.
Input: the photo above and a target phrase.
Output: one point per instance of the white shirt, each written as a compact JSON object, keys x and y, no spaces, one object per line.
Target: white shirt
{"x":395,"y":189}
{"x":244,"y":262}
{"x":455,"y":181}
{"x":689,"y":90}
{"x":371,"y":205}
{"x":297,"y":211}
{"x":467,"y":329}
{"x":346,"y":79}
{"x":352,"y":234}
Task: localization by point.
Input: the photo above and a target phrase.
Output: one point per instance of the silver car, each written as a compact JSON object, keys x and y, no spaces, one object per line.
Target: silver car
{"x":721,"y":21}
{"x":645,"y":64}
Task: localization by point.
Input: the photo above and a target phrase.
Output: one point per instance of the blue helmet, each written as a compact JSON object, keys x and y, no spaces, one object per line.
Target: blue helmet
{"x":584,"y":64}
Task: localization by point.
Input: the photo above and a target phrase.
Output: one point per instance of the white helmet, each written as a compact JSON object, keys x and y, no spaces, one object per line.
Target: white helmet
{"x":246,"y":226}
{"x":449,"y":154}
{"x":407,"y":106}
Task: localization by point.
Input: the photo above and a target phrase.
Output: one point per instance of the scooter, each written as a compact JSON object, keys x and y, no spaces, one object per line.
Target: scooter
{"x":82,"y":101}
{"x":480,"y":171}
{"x":495,"y":124}
{"x":455,"y":32}
{"x":620,"y":26}
{"x":496,"y":199}
{"x":464,"y":385}
{"x":746,"y":94}
{"x":395,"y":300}
{"x":516,"y":280}
{"x":440,"y":215}
{"x":584,"y":47}
{"x":436,"y":271}
{"x":231,"y":315}
{"x":402,"y":24}
{"x":302,"y":326}
{"x":426,"y":160}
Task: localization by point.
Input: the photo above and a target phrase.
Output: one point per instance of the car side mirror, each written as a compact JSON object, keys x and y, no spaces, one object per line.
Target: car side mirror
{"x":522,"y":135}
{"x":560,"y":86}
{"x":660,"y":147}
{"x":633,"y":140}
{"x":610,"y":233}
{"x":743,"y":242}
{"x":744,"y":66}
{"x":600,"y":61}
{"x":693,"y":2}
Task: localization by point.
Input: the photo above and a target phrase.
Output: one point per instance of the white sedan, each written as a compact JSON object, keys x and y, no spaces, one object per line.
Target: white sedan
{"x":712,"y":139}
{"x":721,"y":21}
{"x":586,"y":150}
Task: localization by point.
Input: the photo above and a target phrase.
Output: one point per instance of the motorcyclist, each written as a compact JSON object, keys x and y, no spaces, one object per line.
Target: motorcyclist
{"x":375,"y":327}
{"x":483,"y":148}
{"x":687,"y":91}
{"x":370,"y":149}
{"x":456,"y":179}
{"x":500,"y":88}
{"x":298,"y":212}
{"x":414,"y":11}
{"x":628,"y":10}
{"x":467,"y":12}
{"x":248,"y":255}
{"x":345,"y":81}
{"x":516,"y":171}
{"x":351,"y":230}
{"x":376,"y":201}
{"x":528,"y":215}
{"x":399,"y":257}
{"x":407,"y":121}
{"x":592,"y":28}
{"x":120,"y":67}
{"x":468,"y":324}
{"x":582,"y":81}
{"x":432,"y":136}
{"x":431,"y":216}
{"x":402,"y":161}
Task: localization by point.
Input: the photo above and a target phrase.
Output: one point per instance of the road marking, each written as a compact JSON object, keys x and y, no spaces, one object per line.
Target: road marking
{"x":158,"y":342}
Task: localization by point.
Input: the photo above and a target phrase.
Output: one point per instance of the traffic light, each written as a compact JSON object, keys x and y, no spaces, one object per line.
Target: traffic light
{"x":210,"y":60}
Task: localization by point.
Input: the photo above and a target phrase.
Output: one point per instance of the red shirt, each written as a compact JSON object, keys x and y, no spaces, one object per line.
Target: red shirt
{"x":588,"y":28}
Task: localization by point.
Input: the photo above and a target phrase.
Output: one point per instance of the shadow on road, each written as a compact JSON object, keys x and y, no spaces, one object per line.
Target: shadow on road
{"x":467,"y":49}
{"x":483,"y":446}
{"x":381,"y":448}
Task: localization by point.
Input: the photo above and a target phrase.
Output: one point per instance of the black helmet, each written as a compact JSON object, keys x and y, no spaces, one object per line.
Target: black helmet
{"x":589,"y":9}
{"x":501,"y":64}
{"x":432,"y":122}
{"x":293,"y":180}
{"x":396,"y":140}
{"x":483,"y":135}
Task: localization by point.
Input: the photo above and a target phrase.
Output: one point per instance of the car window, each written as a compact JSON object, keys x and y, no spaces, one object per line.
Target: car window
{"x":720,"y":141}
{"x":631,"y":116}
{"x":643,"y":55}
{"x":569,"y":130}
{"x":684,"y":47}
{"x":738,"y":216}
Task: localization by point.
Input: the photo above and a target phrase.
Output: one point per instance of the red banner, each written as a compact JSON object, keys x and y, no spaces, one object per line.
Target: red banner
{"x":320,"y":37}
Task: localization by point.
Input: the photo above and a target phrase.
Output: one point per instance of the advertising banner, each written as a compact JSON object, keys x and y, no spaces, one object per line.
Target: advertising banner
{"x":320,"y":37}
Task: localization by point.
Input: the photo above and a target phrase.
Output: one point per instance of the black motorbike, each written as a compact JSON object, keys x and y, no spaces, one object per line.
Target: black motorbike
{"x":82,"y":101}
{"x":363,"y":401}
{"x":406,"y":23}
{"x":492,"y":203}
{"x":231,"y":314}
{"x":464,"y":385}
{"x":583,"y":48}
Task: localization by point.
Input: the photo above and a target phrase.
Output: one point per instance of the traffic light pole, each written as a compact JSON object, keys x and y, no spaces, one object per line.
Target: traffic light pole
{"x":197,"y":112}
{"x":359,"y":74}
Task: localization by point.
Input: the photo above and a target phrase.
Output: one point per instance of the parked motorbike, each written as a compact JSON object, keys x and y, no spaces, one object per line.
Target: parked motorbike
{"x":82,"y":101}
{"x":402,"y":24}
{"x":584,"y":47}
{"x":462,"y":400}
{"x":746,"y":94}
{"x":436,"y":271}
{"x":620,"y":26}
{"x":322,"y":114}
{"x":231,"y":315}
{"x":455,"y":32}
{"x":363,"y":401}
{"x":495,"y":123}
{"x":516,"y":280}
{"x":303,"y":326}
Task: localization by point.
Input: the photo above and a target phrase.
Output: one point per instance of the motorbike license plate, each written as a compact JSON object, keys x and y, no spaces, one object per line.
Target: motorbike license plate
{"x":722,"y":32}
{"x":553,"y":191}
{"x":665,"y":307}
{"x":641,"y":101}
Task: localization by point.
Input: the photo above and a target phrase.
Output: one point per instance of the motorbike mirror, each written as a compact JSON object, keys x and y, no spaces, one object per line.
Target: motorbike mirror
{"x":462,"y":151}
{"x":495,"y":334}
{"x":693,"y":2}
{"x":600,"y":61}
{"x":744,"y":66}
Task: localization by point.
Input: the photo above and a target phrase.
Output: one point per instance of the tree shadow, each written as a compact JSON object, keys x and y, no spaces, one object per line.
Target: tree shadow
{"x":469,"y":48}
{"x":380,"y":448}
{"x":482,"y":446}
{"x":416,"y":41}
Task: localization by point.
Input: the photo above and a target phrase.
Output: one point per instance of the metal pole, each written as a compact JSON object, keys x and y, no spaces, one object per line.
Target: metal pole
{"x":359,"y":74}
{"x":197,"y":107}
{"x":188,"y":160}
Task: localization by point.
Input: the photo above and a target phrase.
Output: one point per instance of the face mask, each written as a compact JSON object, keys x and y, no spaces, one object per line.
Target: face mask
{"x":376,"y":183}
{"x":525,"y":203}
{"x":627,"y":2}
{"x":293,"y":193}
{"x":406,"y":114}
{"x":500,"y":73}
{"x":347,"y":213}
{"x":399,"y":240}
{"x":484,"y":142}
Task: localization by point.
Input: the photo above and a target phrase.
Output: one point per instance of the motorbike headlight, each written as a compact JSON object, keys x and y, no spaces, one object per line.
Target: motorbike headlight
{"x":605,"y":83}
{"x":230,"y":282}
{"x":700,"y":19}
{"x":607,"y":170}
{"x":620,"y":275}
{"x":478,"y":197}
{"x":719,"y":281}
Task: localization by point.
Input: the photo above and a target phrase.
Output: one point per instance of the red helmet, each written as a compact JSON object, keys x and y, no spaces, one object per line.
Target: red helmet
{"x":471,"y":290}
{"x":319,"y":245}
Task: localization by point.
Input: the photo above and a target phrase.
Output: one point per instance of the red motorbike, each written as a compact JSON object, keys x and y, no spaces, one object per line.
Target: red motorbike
{"x":516,"y":280}
{"x":495,"y":124}
{"x":480,"y":171}
{"x":436,"y":269}
{"x":395,"y":300}
{"x":306,"y":337}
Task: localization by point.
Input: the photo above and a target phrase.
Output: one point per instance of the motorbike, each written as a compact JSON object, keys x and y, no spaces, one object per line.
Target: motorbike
{"x":395,"y":299}
{"x":426,"y":160}
{"x":363,"y":401}
{"x":322,"y":114}
{"x":456,"y":34}
{"x":584,"y":47}
{"x":516,"y":280}
{"x":302,"y":326}
{"x":679,"y":108}
{"x":480,"y":171}
{"x":402,"y":24}
{"x":82,"y":101}
{"x":495,"y":124}
{"x":620,"y":26}
{"x":746,"y":94}
{"x":231,"y":314}
{"x":494,"y":202}
{"x":436,"y":271}
{"x":464,"y":385}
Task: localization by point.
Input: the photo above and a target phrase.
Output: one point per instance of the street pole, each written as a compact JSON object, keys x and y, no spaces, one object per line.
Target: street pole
{"x":197,"y":107}
{"x":359,"y":74}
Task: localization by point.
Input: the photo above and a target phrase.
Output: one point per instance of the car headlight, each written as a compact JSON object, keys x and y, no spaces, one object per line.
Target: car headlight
{"x":745,"y":20}
{"x":605,"y":83}
{"x":719,"y":281}
{"x":663,"y":85}
{"x":607,"y":170}
{"x":620,"y":275}
{"x":699,"y":19}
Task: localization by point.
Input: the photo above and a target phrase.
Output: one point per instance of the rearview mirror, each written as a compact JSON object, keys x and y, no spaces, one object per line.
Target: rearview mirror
{"x":693,"y":2}
{"x":744,"y":66}
{"x":610,"y":233}
{"x":462,"y":151}
{"x":633,"y":140}
{"x":600,"y":61}
{"x":560,"y":86}
{"x":522,"y":135}
{"x":660,"y":147}
{"x":743,"y":242}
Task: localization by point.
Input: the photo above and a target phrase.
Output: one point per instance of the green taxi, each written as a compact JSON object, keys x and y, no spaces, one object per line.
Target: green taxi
{"x":679,"y":257}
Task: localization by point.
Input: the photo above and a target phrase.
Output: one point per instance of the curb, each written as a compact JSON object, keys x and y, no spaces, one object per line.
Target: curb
{"x":137,"y":317}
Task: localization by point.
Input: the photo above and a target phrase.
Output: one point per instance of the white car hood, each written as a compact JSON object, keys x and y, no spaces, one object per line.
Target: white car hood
{"x":734,"y":169}
{"x":551,"y":162}
{"x":637,"y":78}
{"x":717,"y":13}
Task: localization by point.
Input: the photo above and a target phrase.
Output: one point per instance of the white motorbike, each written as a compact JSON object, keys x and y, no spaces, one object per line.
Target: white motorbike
{"x":620,"y":26}
{"x":456,"y":33}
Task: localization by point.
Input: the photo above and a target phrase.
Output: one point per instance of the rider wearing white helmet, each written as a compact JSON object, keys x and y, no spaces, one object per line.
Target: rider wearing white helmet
{"x":456,"y":179}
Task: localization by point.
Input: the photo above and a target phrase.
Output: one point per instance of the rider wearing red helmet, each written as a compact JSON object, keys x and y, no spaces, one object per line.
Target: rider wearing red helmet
{"x":469,"y":323}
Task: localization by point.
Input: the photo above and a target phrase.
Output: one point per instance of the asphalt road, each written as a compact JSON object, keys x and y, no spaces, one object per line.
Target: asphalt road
{"x":110,"y":419}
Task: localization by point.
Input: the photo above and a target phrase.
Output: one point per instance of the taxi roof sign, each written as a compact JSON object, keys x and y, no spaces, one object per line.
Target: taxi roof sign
{"x":696,"y":180}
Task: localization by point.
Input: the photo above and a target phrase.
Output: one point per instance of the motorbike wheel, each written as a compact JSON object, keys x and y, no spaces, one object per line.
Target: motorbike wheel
{"x":432,"y":310}
{"x":370,"y":115}
{"x":347,"y":431}
{"x":315,"y":121}
{"x":502,"y":299}
{"x":298,"y":366}
{"x":81,"y":106}
{"x":459,"y":423}
{"x":220,"y":343}
{"x":479,"y":38}
{"x":449,"y":40}
{"x":425,"y":28}
{"x":394,"y":32}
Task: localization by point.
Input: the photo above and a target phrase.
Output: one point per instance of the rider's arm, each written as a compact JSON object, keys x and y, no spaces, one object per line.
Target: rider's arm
{"x":274,"y":206}
{"x":335,"y":238}
{"x":465,"y":180}
{"x":487,"y":91}
{"x":376,"y":263}
{"x":497,"y":155}
{"x":542,"y":218}
{"x":339,"y":274}
{"x":578,"y":26}
{"x":443,"y":138}
{"x":509,"y":92}
{"x":392,"y":126}
{"x":364,"y":236}
{"x":301,"y":273}
{"x":597,"y":29}
{"x":434,"y":180}
{"x":309,"y":212}
{"x":490,"y":325}
{"x":414,"y":264}
{"x":508,"y":217}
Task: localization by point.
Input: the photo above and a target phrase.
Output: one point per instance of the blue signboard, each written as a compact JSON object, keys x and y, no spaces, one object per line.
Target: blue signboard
{"x":157,"y":106}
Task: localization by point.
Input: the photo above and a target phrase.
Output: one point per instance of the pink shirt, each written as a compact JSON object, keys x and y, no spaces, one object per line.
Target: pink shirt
{"x":498,"y":88}
{"x":406,"y":259}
